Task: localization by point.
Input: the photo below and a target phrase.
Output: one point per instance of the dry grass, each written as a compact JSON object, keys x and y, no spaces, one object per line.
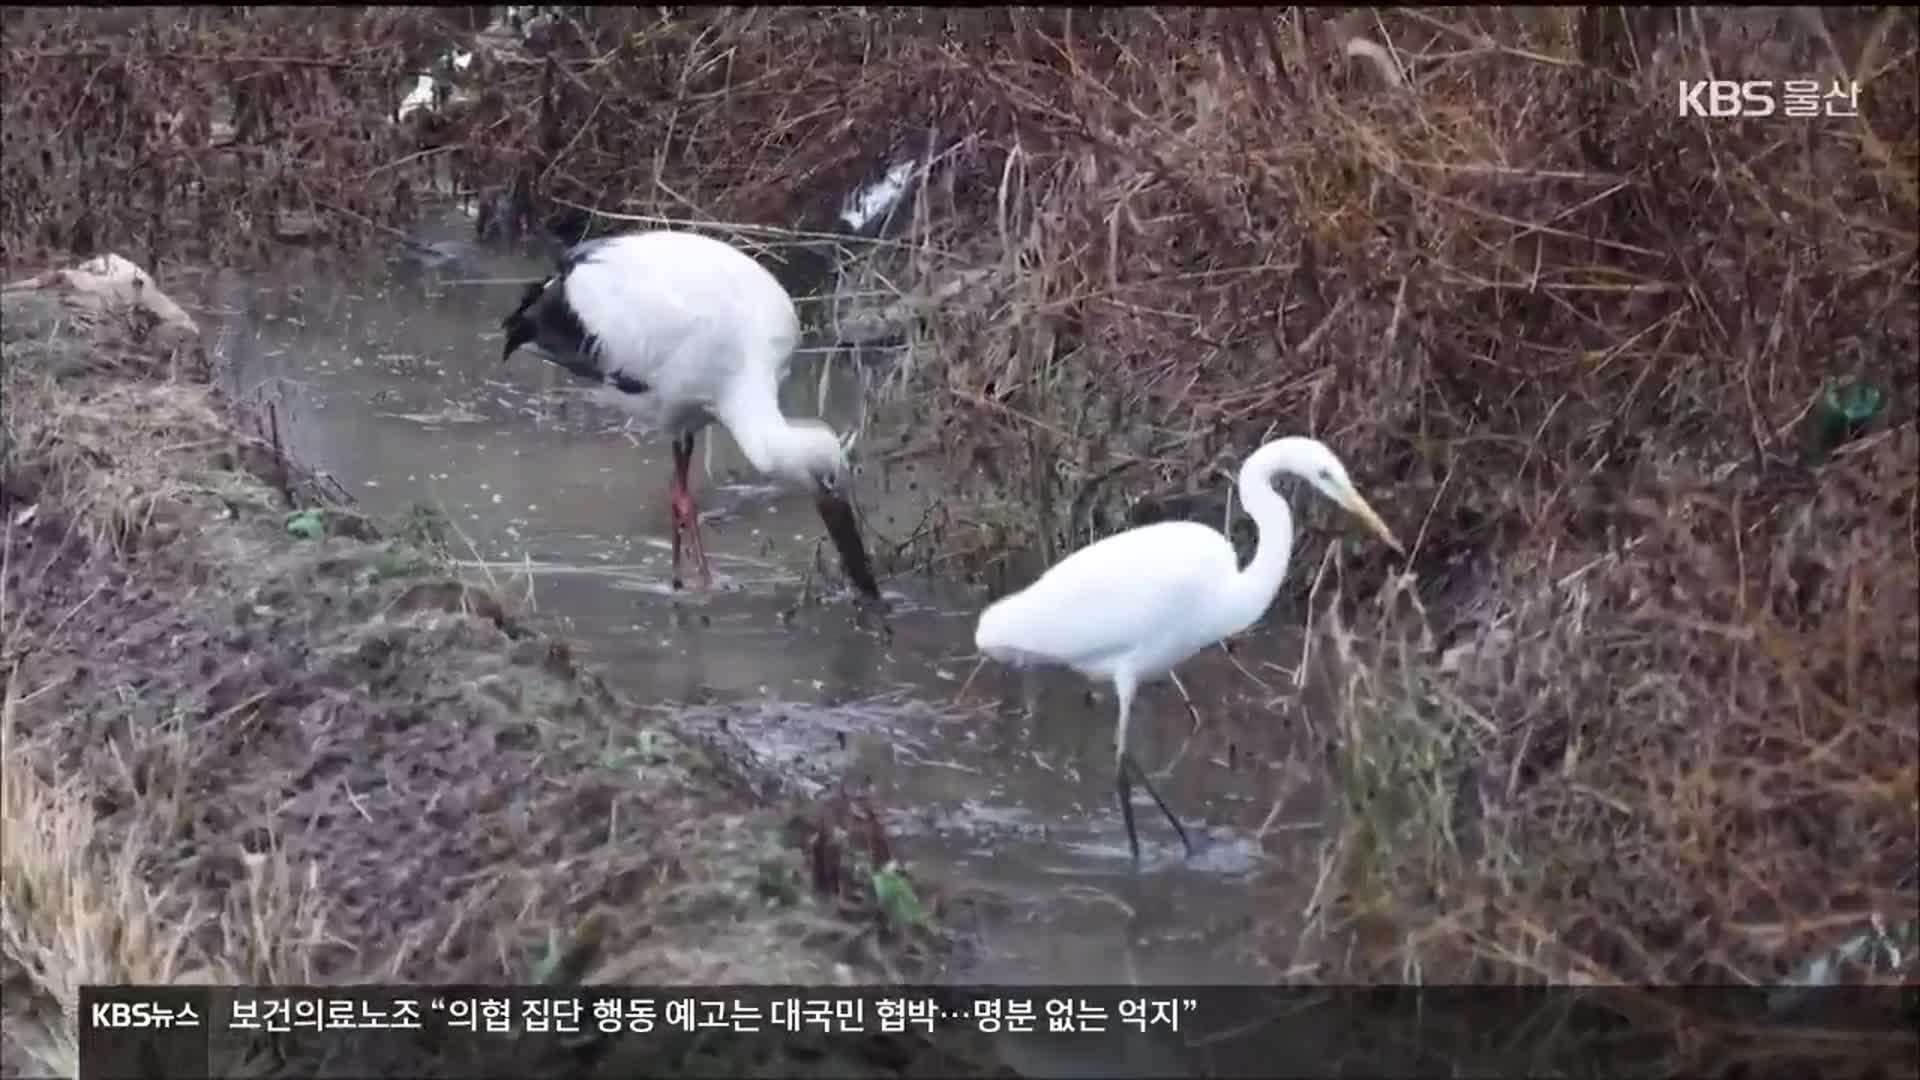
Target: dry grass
{"x":182,"y":134}
{"x":1635,"y":773}
{"x":80,"y":908}
{"x":71,"y":912}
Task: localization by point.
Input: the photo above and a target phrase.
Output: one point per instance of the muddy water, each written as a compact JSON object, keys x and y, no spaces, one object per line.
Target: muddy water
{"x":386,"y":374}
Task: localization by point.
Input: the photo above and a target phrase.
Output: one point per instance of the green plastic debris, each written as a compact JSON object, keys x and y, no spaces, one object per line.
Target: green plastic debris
{"x":897,"y":898}
{"x":308,"y":524}
{"x":1839,"y":418}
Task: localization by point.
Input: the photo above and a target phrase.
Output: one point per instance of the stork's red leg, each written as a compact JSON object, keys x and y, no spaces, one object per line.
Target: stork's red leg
{"x":673,"y":518}
{"x":686,"y":516}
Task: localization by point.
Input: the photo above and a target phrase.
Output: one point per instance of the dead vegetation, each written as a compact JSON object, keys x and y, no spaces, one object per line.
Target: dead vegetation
{"x":1653,"y":716}
{"x":183,"y":134}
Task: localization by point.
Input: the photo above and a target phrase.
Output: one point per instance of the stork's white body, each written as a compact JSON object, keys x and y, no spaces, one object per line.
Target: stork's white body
{"x":1132,"y":607}
{"x":707,"y":328}
{"x":680,"y":330}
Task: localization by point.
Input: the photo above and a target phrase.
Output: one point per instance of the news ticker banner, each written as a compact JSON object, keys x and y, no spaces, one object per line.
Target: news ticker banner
{"x":467,"y":1031}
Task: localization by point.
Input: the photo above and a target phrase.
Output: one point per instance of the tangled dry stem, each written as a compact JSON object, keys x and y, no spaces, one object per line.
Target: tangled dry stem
{"x":189,"y":134}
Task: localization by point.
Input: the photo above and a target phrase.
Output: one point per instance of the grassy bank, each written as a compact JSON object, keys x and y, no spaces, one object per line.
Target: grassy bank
{"x":252,"y":736}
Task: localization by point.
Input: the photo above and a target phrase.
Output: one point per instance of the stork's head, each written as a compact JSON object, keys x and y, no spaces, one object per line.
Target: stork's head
{"x":811,"y":455}
{"x":519,"y":326}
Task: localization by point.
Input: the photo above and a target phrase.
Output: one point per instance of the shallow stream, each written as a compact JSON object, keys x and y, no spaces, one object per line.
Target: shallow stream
{"x":386,"y":374}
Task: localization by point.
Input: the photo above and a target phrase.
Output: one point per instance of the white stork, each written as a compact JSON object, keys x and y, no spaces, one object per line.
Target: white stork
{"x":680,"y":330}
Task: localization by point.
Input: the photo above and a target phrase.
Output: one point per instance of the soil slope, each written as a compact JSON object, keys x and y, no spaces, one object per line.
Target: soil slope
{"x":251,"y":737}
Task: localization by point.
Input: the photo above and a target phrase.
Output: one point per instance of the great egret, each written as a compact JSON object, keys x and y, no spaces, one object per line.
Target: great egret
{"x":681,"y":330}
{"x":1132,"y":607}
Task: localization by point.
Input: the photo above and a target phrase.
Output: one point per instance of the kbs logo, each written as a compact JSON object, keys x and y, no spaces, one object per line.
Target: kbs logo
{"x":137,"y":1014}
{"x":1797,"y":98}
{"x":1724,"y":97}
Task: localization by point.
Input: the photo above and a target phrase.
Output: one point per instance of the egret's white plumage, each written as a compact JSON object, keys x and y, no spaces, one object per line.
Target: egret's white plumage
{"x":682,"y":330}
{"x":1132,"y":607}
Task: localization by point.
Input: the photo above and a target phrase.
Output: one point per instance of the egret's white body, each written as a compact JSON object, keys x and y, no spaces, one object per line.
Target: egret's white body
{"x":682,"y":330}
{"x":1132,"y":607}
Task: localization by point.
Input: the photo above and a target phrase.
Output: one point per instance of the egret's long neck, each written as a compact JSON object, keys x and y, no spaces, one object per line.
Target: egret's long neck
{"x":1254,"y":587}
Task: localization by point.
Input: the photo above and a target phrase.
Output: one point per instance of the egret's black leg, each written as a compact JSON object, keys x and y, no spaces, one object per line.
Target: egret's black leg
{"x":1126,"y":809}
{"x":1124,"y":685}
{"x":1127,"y":763}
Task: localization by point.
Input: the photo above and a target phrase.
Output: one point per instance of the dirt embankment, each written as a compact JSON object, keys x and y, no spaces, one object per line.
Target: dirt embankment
{"x":252,"y":737}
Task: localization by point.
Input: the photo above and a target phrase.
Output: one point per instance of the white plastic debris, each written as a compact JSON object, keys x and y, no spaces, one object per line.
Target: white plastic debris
{"x":876,"y":199}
